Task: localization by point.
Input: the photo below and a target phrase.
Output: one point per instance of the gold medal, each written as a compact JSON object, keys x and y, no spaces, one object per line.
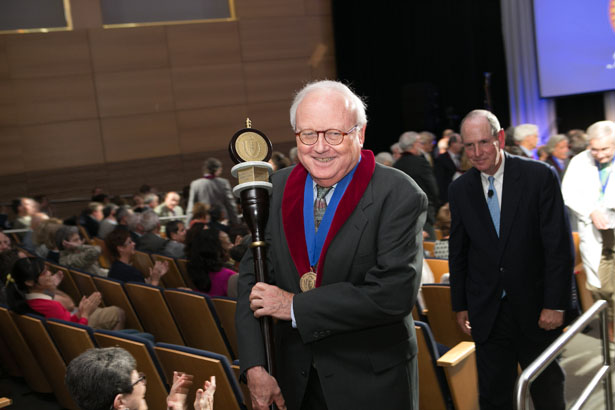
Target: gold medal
{"x":307,"y":281}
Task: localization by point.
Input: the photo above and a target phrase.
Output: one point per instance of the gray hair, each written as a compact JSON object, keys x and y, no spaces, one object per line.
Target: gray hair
{"x":149,"y":198}
{"x":523,"y":131}
{"x":292,"y":154}
{"x":133,"y":219}
{"x":395,"y":147}
{"x":384,"y":158}
{"x":356,"y":104}
{"x":96,"y":376}
{"x":407,"y":140}
{"x":149,"y":220}
{"x":553,"y":141}
{"x":211,"y":165}
{"x":601,"y":129}
{"x":427,"y":136}
{"x":494,"y":124}
{"x":64,"y":233}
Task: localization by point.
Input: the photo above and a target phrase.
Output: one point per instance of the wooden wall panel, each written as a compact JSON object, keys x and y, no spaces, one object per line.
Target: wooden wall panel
{"x":317,"y":7}
{"x":74,"y":182}
{"x":134,"y":92}
{"x":319,"y":35}
{"x":248,"y":9}
{"x":275,"y":80}
{"x":124,"y":49}
{"x":273,"y":119}
{"x":325,"y":69}
{"x":163,"y":174}
{"x":208,"y":86}
{"x":4,"y":61}
{"x":203,"y":44}
{"x":209,"y":129}
{"x":274,"y":38}
{"x":140,"y":136}
{"x":48,"y":55}
{"x":13,"y":186}
{"x":8,"y":108}
{"x":42,"y":100}
{"x":11,"y":151}
{"x":61,"y":145}
{"x":86,"y":14}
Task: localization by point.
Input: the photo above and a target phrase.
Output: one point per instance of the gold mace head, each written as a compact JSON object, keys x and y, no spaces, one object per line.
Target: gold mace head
{"x":248,"y":123}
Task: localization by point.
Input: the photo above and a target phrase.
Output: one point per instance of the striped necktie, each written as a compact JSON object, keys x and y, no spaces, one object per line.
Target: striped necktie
{"x":320,"y":204}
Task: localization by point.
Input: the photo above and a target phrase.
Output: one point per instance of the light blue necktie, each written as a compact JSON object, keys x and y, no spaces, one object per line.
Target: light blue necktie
{"x":494,"y":207}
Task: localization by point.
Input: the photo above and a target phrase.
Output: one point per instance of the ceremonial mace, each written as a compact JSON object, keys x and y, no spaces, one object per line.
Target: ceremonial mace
{"x":250,"y":149}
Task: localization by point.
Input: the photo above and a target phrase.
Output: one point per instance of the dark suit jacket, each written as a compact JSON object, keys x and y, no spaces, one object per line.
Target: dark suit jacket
{"x":444,"y":169}
{"x":533,"y":258}
{"x":356,"y":328}
{"x":152,"y":243}
{"x":419,"y":169}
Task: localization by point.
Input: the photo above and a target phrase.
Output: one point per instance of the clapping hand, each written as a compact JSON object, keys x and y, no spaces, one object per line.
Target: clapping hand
{"x":205,"y":397}
{"x":176,"y":400}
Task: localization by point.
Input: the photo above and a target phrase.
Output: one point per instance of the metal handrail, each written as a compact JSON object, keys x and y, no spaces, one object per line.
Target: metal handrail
{"x":537,"y":366}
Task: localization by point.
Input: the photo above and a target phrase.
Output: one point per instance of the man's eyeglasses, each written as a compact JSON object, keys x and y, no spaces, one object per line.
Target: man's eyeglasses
{"x":332,"y":136}
{"x":141,"y":378}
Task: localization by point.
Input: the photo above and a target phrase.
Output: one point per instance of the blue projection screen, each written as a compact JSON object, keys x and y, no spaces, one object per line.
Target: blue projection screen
{"x":575,"y":46}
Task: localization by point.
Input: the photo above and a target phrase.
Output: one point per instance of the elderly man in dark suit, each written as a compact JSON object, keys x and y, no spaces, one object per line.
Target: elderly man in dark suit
{"x":447,"y":165}
{"x":344,"y":238}
{"x":511,"y":263}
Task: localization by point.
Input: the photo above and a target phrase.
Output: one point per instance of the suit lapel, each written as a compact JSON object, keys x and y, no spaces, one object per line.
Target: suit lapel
{"x":511,"y":193}
{"x":479,"y":203}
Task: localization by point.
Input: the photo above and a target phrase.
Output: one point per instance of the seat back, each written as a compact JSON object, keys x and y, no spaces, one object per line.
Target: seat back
{"x":70,"y":338}
{"x":182,"y":264}
{"x":84,"y":282}
{"x":142,"y":261}
{"x":150,"y":305}
{"x":225,"y":308}
{"x":173,"y":278}
{"x":202,"y":364}
{"x":84,"y":233}
{"x":68,"y":284}
{"x":433,"y":394}
{"x":113,"y":294}
{"x":147,"y":362}
{"x":105,"y":257}
{"x":198,"y":321}
{"x":47,"y":355}
{"x":438,"y":266}
{"x":29,"y":366}
{"x":442,"y":319}
{"x":429,"y":247}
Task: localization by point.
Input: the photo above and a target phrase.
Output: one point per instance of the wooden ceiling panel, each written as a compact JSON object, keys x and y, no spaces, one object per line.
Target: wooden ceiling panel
{"x":48,"y":54}
{"x":208,"y":86}
{"x":134,"y":92}
{"x":51,"y":146}
{"x":122,"y":49}
{"x":275,"y":80}
{"x":274,"y":38}
{"x":203,"y":44}
{"x":140,"y":136}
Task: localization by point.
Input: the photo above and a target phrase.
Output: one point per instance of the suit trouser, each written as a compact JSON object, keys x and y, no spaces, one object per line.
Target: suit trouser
{"x":497,"y":359}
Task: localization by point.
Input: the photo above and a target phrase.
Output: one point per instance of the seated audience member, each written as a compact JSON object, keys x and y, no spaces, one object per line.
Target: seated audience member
{"x":237,"y":232}
{"x":151,"y":241}
{"x":510,"y":144}
{"x":176,"y":232}
{"x":428,"y":141}
{"x":44,"y":205}
{"x":526,"y":137}
{"x":5,"y":242}
{"x":44,"y":238}
{"x":217,"y":219}
{"x":135,"y":227}
{"x":206,"y":264}
{"x":396,"y":151}
{"x":90,"y":218}
{"x":293,"y":156}
{"x":8,"y":256}
{"x":27,"y":241}
{"x":109,"y":222}
{"x":107,"y":378}
{"x":200,"y":213}
{"x":122,"y":249}
{"x":170,"y":206}
{"x":151,"y":201}
{"x":384,"y":158}
{"x":23,"y":208}
{"x":139,"y":203}
{"x":101,"y":199}
{"x":239,"y":250}
{"x":557,"y":150}
{"x":443,"y":223}
{"x":30,"y":289}
{"x":279,"y":161}
{"x":77,"y":255}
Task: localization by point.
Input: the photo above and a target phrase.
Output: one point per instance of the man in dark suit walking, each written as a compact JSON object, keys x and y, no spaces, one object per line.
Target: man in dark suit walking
{"x":344,"y":248}
{"x":448,"y":164}
{"x":511,"y":262}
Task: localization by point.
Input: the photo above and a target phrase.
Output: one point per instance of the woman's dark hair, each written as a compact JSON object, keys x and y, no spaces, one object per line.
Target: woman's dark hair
{"x":190,"y":235}
{"x":116,"y":237}
{"x":64,"y":233}
{"x":23,"y":270}
{"x":205,"y":257}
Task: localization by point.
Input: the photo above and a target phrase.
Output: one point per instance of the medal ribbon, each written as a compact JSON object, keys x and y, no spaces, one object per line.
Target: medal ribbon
{"x":315,"y":240}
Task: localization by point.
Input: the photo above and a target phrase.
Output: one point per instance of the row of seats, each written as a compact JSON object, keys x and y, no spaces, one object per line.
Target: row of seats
{"x":39,"y":351}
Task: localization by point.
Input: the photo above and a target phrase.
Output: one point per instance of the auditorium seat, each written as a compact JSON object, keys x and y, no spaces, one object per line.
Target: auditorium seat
{"x":225,"y":308}
{"x":442,"y":319}
{"x":67,"y":285}
{"x":105,"y":257}
{"x":84,"y":282}
{"x":142,"y":261}
{"x":113,"y":294}
{"x":152,"y":309}
{"x":438,"y":267}
{"x":448,"y":381}
{"x":429,"y":248}
{"x":196,"y":316}
{"x":70,"y":338}
{"x":182,"y":264}
{"x":173,"y":278}
{"x":202,"y":365}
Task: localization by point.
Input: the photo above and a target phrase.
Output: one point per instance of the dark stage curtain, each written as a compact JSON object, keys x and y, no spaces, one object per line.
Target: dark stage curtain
{"x":420,"y":64}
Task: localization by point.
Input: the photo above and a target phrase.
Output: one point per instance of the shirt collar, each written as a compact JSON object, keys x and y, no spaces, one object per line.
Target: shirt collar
{"x":499,"y":174}
{"x":34,"y":295}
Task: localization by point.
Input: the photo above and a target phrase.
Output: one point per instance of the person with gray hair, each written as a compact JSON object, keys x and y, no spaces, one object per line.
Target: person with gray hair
{"x":77,"y":255}
{"x":151,"y":241}
{"x":395,"y":151}
{"x":109,"y":222}
{"x":589,"y":192}
{"x":212,"y":190}
{"x":349,"y":299}
{"x":557,"y":153}
{"x":526,"y":137}
{"x":414,"y":164}
{"x":107,"y":378}
{"x":384,"y":158}
{"x":292,"y":154}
